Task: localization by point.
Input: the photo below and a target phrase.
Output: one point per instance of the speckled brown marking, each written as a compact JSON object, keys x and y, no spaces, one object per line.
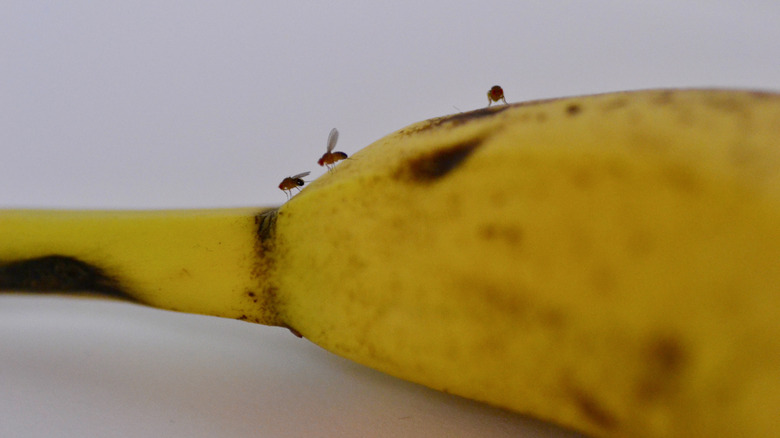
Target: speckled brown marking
{"x":682,"y":179}
{"x":583,"y":177}
{"x":615,"y":104}
{"x":668,"y":353}
{"x":552,"y":318}
{"x":57,"y":274}
{"x":511,"y":235}
{"x":665,"y":359}
{"x":665,"y":97}
{"x":267,"y":301}
{"x":460,"y":118}
{"x":573,"y":109}
{"x":266,"y":222}
{"x":762,"y":94}
{"x":436,"y":165}
{"x":591,"y":409}
{"x":725,"y":103}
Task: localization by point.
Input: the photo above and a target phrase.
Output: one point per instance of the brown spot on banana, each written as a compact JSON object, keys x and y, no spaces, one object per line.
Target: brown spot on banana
{"x":509,"y":234}
{"x":573,"y":109}
{"x":458,"y":119}
{"x":665,"y":360}
{"x":266,"y":222}
{"x":665,"y":97}
{"x":615,"y":104}
{"x":267,"y":300}
{"x":438,"y":164}
{"x":591,"y":409}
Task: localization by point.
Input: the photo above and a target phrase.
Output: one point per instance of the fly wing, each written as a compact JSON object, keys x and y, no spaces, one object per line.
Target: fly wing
{"x":300,"y":175}
{"x":333,"y":137}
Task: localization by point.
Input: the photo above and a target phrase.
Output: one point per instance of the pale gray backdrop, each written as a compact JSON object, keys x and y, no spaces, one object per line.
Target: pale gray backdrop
{"x":153,"y":104}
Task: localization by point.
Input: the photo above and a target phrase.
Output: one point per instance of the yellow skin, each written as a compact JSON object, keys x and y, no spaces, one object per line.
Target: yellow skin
{"x":610,"y":263}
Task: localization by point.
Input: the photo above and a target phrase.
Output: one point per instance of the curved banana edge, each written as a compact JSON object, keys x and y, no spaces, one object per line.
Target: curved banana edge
{"x":606,"y":262}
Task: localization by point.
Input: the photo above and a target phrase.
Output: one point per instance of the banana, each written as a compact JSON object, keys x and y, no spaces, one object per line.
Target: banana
{"x":610,"y":263}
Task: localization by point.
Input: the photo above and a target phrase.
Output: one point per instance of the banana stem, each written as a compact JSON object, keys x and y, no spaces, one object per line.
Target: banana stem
{"x":209,"y":262}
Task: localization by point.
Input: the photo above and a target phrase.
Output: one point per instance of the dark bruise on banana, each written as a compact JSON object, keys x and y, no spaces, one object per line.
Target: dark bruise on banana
{"x":457,"y":119}
{"x":435,"y":165}
{"x":438,"y":164}
{"x":59,"y":274}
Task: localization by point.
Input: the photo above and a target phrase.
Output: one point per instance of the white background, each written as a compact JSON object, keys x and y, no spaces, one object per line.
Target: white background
{"x":154,"y":104}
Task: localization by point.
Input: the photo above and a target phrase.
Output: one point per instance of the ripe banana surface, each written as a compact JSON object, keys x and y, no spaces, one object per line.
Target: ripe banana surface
{"x":610,"y":263}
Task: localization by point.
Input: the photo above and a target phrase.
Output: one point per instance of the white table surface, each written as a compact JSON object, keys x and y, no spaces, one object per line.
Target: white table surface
{"x":74,"y":367}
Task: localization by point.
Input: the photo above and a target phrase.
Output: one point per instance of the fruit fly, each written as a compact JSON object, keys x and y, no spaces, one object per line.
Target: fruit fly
{"x":293,"y":182}
{"x":329,"y":158}
{"x":495,"y":94}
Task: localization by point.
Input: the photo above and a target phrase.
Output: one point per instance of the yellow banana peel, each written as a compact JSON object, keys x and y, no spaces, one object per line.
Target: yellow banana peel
{"x":610,"y":263}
